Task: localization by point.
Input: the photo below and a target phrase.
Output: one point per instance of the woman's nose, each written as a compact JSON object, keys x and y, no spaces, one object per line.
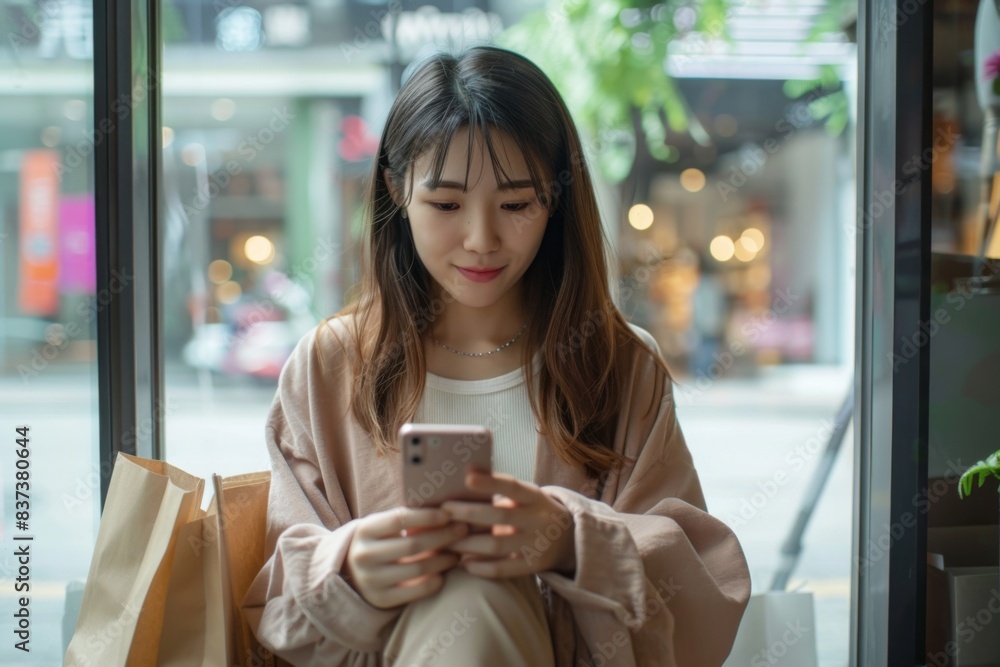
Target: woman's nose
{"x":480,"y":234}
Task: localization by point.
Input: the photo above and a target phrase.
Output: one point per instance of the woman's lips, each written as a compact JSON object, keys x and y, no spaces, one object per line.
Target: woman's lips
{"x":479,"y":276}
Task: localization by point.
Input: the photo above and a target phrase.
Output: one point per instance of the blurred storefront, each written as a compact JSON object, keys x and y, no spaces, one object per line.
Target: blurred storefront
{"x":270,"y":114}
{"x":270,"y":117}
{"x":751,"y":219}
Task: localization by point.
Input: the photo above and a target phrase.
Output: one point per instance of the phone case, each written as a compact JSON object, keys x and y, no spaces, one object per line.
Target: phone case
{"x":435,"y":458}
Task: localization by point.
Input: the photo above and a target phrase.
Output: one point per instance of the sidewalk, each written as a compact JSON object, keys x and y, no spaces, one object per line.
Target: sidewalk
{"x":756,"y":443}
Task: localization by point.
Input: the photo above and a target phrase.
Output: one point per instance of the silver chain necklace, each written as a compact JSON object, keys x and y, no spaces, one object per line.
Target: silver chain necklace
{"x":481,"y":354}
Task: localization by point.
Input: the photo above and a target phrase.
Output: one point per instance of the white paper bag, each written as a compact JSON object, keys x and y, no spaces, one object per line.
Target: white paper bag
{"x":778,"y":629}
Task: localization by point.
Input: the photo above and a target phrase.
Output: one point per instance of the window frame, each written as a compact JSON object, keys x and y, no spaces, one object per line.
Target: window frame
{"x":127,"y":192}
{"x":893,"y":297}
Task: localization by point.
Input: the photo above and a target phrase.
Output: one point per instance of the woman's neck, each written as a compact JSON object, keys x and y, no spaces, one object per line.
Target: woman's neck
{"x":469,"y":329}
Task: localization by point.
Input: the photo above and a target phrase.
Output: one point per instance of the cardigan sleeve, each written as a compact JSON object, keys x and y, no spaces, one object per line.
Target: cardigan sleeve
{"x":658,"y":581}
{"x":299,"y":606}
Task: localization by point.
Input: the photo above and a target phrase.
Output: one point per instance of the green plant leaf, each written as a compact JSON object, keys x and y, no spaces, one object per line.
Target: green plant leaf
{"x":990,"y":467}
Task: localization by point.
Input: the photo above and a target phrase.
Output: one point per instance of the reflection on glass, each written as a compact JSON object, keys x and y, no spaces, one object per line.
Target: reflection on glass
{"x":48,"y":312}
{"x":963,"y":164}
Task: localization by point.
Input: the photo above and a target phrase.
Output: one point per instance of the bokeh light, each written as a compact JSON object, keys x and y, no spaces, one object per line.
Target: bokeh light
{"x":640,"y":216}
{"x":722,"y":248}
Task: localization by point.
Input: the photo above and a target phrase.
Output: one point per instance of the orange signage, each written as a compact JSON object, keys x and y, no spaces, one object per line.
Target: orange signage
{"x":37,"y":292}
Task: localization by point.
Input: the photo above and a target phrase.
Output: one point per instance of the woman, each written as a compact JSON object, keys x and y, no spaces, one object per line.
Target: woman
{"x":485,"y":300}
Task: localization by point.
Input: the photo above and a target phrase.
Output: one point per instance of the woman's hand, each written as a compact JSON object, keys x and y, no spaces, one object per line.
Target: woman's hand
{"x":393,"y":557}
{"x":527,"y":531}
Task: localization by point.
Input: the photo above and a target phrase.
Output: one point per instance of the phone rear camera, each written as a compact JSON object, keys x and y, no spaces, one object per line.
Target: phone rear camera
{"x":415,"y":441}
{"x":415,"y":459}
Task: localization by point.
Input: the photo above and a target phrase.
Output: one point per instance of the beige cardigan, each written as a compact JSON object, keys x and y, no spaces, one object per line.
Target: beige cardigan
{"x":659,"y":582}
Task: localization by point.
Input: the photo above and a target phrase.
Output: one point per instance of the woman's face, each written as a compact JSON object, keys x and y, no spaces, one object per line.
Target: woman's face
{"x":476,"y":244}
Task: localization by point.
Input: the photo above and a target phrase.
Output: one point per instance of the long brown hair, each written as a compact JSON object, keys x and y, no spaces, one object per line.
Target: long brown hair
{"x":586,"y":345}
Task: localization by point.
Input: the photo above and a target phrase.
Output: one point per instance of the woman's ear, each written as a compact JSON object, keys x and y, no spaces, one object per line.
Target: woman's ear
{"x":393,"y":192}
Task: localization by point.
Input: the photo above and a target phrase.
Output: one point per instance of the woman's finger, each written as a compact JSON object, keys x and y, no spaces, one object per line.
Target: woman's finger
{"x":513,"y":566}
{"x":487,"y":545}
{"x":393,"y":548}
{"x":393,"y":522}
{"x":483,"y":514}
{"x":505,"y":485}
{"x":394,"y":574}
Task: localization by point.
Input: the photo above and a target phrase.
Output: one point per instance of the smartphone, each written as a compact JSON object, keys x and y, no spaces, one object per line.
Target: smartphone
{"x":436,"y":458}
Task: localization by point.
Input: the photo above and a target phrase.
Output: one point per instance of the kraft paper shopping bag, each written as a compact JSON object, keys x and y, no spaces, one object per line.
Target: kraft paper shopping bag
{"x":124,"y":599}
{"x":242,"y":508}
{"x":218,"y":556}
{"x":167,"y":578}
{"x":194,"y":629}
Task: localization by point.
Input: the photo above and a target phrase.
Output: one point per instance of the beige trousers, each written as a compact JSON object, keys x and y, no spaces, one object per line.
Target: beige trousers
{"x":473,"y":621}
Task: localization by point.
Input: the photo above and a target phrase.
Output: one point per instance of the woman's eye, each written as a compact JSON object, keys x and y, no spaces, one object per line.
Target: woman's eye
{"x":518,"y":206}
{"x":444,"y":206}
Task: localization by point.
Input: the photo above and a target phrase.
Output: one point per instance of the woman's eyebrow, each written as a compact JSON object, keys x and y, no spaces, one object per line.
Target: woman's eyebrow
{"x":517,"y":185}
